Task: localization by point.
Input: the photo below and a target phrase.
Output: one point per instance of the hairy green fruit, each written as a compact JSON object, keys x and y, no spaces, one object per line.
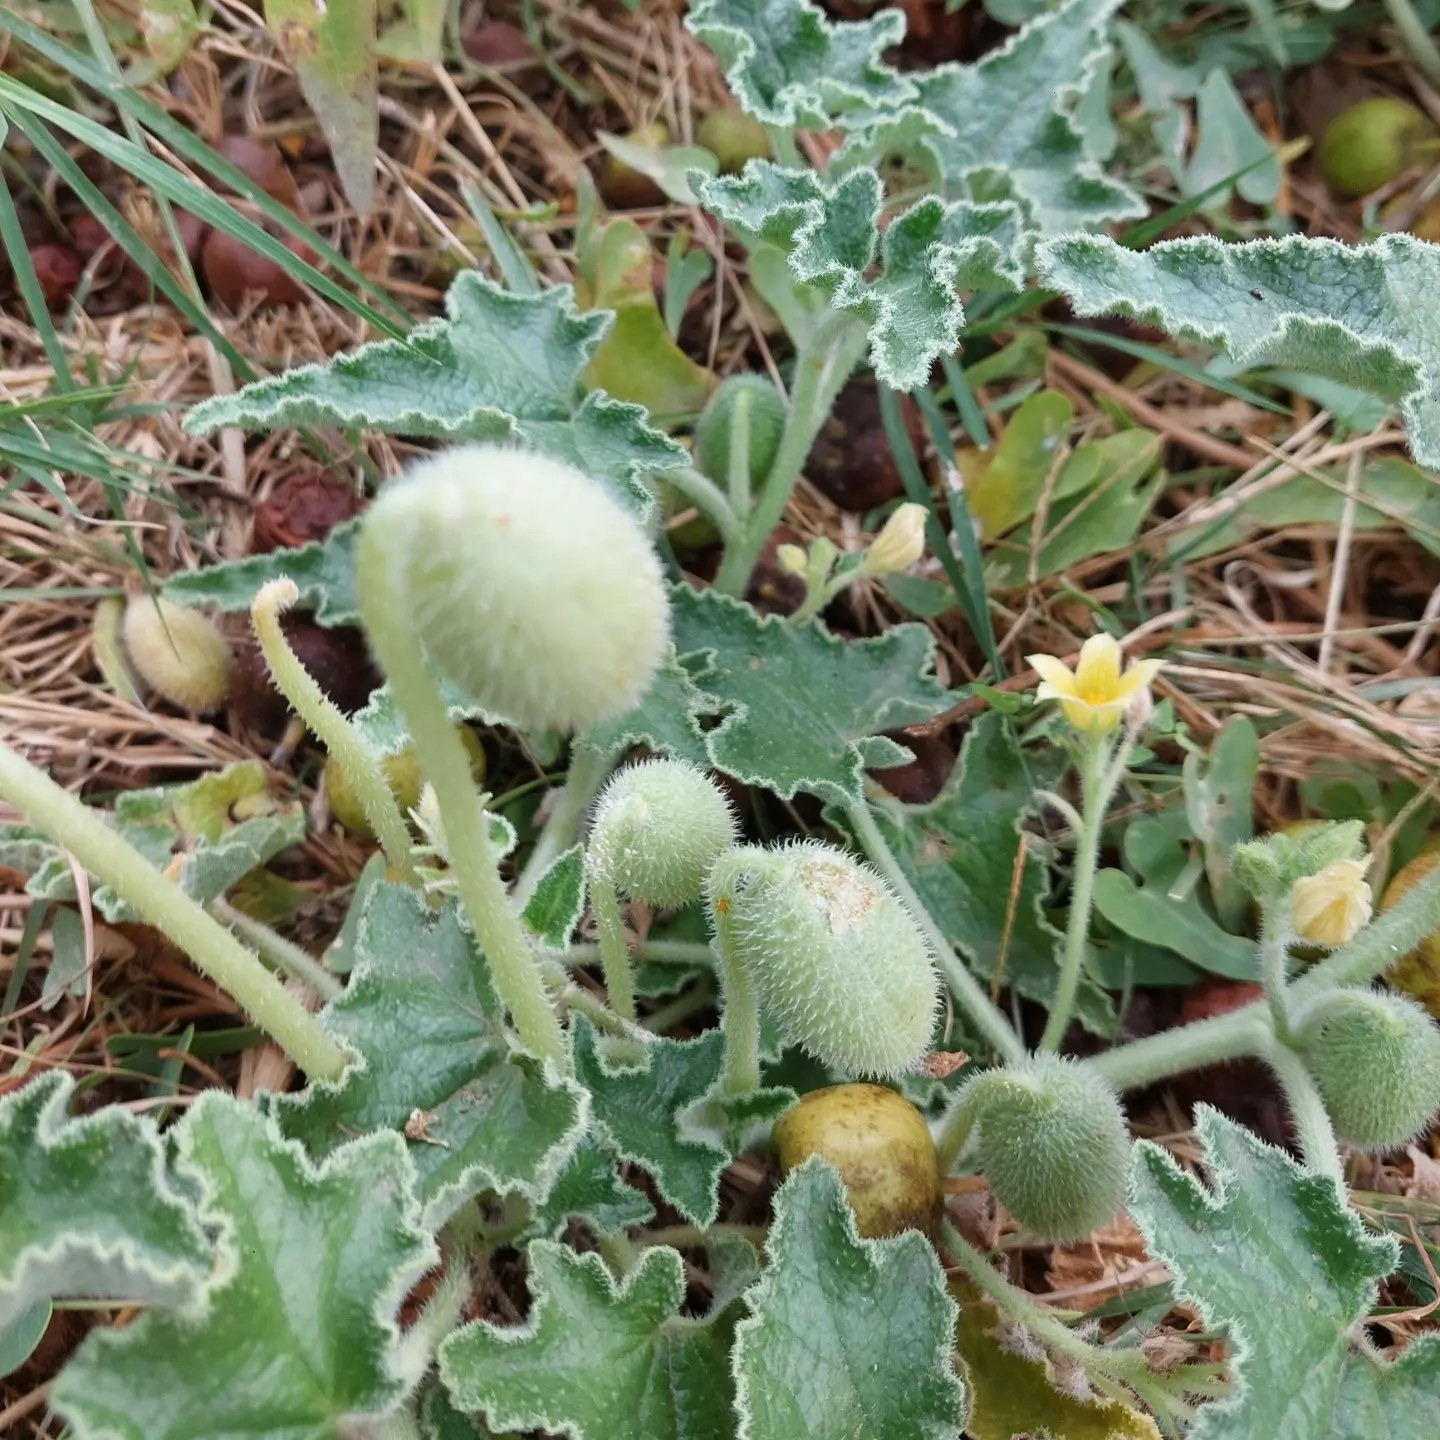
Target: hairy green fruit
{"x":658,"y":827}
{"x":1418,"y":973}
{"x":1053,"y":1142}
{"x":531,"y":586}
{"x":881,"y":1147}
{"x":733,"y":137}
{"x":178,"y":653}
{"x":1369,"y":144}
{"x":765,"y":413}
{"x":1376,"y":1058}
{"x":402,"y":774}
{"x":834,"y":955}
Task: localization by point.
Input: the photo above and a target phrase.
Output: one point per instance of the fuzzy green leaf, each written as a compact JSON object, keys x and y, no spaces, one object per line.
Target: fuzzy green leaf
{"x":831,"y":237}
{"x":206,"y":834}
{"x":379,"y":720}
{"x":1271,"y":1254}
{"x":554,"y":909}
{"x":846,"y":1336}
{"x":803,"y":710}
{"x":299,"y":1339}
{"x":1344,"y":312}
{"x":590,"y":1189}
{"x":420,"y":1012}
{"x":665,"y":719}
{"x":1005,"y":127}
{"x":498,"y":367}
{"x":86,"y":1209}
{"x":600,"y":1358}
{"x":790,"y":65}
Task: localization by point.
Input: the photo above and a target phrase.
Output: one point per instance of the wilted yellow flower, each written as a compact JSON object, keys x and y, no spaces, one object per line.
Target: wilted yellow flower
{"x":791,"y":559}
{"x":1094,"y":696}
{"x":900,"y":543}
{"x":1329,"y":908}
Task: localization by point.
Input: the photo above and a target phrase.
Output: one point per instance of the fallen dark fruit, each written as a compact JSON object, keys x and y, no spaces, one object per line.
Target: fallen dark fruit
{"x":303,"y":507}
{"x":262,"y":162}
{"x":851,"y":461}
{"x":57,"y":268}
{"x":498,"y":42}
{"x":337,"y":658}
{"x":234,"y":272}
{"x":624,"y":188}
{"x":920,"y":780}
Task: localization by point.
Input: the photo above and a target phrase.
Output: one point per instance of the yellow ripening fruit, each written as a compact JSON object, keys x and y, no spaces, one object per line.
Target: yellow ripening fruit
{"x":1371,"y":143}
{"x":179,"y":653}
{"x":881,"y":1147}
{"x":402,"y":771}
{"x":1418,"y":973}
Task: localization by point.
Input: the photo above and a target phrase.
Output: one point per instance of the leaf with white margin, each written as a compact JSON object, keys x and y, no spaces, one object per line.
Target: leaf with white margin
{"x":846,"y":1336}
{"x":498,"y":366}
{"x":589,"y":1189}
{"x":1005,"y":128}
{"x":831,"y":235}
{"x":789,"y":64}
{"x":1349,"y":313}
{"x":803,"y":709}
{"x":601,"y":1358}
{"x":1271,"y":1254}
{"x":435,"y":1061}
{"x":87,"y":1210}
{"x":664,"y":719}
{"x":555,"y":906}
{"x":299,"y":1339}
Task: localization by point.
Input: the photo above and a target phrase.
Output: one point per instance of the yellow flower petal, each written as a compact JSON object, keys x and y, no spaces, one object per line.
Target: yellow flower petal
{"x":1331,"y":907}
{"x":1098,"y":671}
{"x":1088,"y":718}
{"x":1137,"y":677}
{"x":1057,"y":681}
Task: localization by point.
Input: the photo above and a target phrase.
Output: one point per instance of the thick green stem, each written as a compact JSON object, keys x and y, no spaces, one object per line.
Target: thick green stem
{"x":1245,"y":1031}
{"x":956,"y":1127}
{"x":1274,"y":960}
{"x":339,"y":737}
{"x":614,"y":948}
{"x":740,"y":1019}
{"x":821,"y":368}
{"x":163,"y":904}
{"x":1416,"y":39}
{"x":738,"y":479}
{"x":514,"y":967}
{"x":982,"y":1012}
{"x":278,"y":950}
{"x":589,"y":769}
{"x":666,"y":952}
{"x":1097,"y":785}
{"x":707,"y":497}
{"x":1313,"y":1130}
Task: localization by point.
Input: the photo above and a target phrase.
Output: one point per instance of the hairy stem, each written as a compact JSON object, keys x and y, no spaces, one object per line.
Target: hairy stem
{"x":514,"y":966}
{"x":1245,"y":1031}
{"x":740,"y":1019}
{"x":821,"y":368}
{"x":666,"y":952}
{"x":707,"y":497}
{"x":278,"y":950}
{"x":1097,"y":786}
{"x":340,"y":738}
{"x":1274,"y":959}
{"x":1313,"y":1130}
{"x":614,"y":948}
{"x":956,"y":1127}
{"x":161,"y":903}
{"x":589,"y":769}
{"x":983,"y":1013}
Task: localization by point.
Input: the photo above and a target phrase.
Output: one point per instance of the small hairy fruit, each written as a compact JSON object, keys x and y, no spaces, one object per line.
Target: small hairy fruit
{"x":1376,"y":1059}
{"x":715,"y":427}
{"x":1418,"y":973}
{"x":402,"y":774}
{"x":1053,"y":1143}
{"x":659,"y":826}
{"x":733,"y":137}
{"x":178,"y":653}
{"x":529,"y":583}
{"x":1369,"y":144}
{"x":881,"y":1147}
{"x":834,"y":955}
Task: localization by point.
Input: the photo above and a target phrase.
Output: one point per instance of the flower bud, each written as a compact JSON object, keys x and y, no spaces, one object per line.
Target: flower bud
{"x":791,"y":559}
{"x":1331,"y":907}
{"x":659,"y":826}
{"x":179,"y":653}
{"x":833,"y":954}
{"x":900,"y":543}
{"x":1375,"y":1057}
{"x":531,"y":586}
{"x":1053,"y":1142}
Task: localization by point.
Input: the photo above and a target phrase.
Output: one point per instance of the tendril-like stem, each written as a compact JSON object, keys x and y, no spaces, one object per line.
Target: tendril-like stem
{"x":740,"y":1018}
{"x":1313,"y":1130}
{"x":614,"y":948}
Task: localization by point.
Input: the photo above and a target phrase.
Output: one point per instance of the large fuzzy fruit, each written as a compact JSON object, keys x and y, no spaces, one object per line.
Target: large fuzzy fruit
{"x":834,"y":955}
{"x":881,"y":1147}
{"x":1369,"y":144}
{"x":179,"y":653}
{"x":1376,"y":1059}
{"x":1053,"y":1142}
{"x":530,"y":584}
{"x":402,"y":774}
{"x":659,"y":826}
{"x":1418,"y":973}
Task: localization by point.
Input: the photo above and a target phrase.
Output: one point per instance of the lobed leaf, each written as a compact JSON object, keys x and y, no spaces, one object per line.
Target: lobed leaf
{"x":299,"y":1339}
{"x":434,"y":1061}
{"x":845,"y":1336}
{"x":87,"y":1210}
{"x":589,"y":1189}
{"x":601,"y":1358}
{"x":1271,"y":1254}
{"x":553,"y":910}
{"x":1344,"y":312}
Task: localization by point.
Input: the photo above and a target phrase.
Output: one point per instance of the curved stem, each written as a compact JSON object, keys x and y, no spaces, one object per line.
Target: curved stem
{"x":1188,"y":1047}
{"x":280,"y":951}
{"x":614,"y":948}
{"x":983,"y":1013}
{"x":514,"y":966}
{"x":1274,"y":957}
{"x":955,"y":1128}
{"x":1097,"y":785}
{"x":821,"y":368}
{"x":1416,"y":38}
{"x":740,"y":1019}
{"x":340,"y":738}
{"x":1313,"y":1130}
{"x":589,"y":769}
{"x":160,"y":902}
{"x":707,"y":497}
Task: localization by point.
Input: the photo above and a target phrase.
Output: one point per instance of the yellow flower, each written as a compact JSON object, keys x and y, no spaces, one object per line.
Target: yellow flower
{"x":900,"y":543}
{"x":1330,"y":907}
{"x":1095,"y":695}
